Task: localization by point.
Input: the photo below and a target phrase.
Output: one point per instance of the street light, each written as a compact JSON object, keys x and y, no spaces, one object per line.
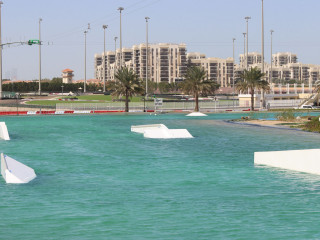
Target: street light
{"x":120,"y":10}
{"x":0,"y":55}
{"x":104,"y":57}
{"x":62,"y":89}
{"x":115,"y":57}
{"x":270,"y":78}
{"x":262,"y":54}
{"x":233,"y":39}
{"x":40,"y":20}
{"x":244,"y":49}
{"x":85,"y":61}
{"x":115,"y":44}
{"x":147,"y":55}
{"x":247,"y":19}
{"x":262,"y":38}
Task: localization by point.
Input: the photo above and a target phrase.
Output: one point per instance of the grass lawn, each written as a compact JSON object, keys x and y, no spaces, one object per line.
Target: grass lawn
{"x":83,"y":99}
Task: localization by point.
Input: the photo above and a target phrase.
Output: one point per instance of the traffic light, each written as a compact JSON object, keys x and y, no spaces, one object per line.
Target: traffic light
{"x":33,"y":41}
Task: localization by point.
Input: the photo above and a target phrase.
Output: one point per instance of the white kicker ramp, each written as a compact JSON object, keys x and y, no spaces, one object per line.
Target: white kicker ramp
{"x":15,"y":172}
{"x":160,"y":131}
{"x":4,"y":131}
{"x":307,"y":161}
{"x":196,"y":114}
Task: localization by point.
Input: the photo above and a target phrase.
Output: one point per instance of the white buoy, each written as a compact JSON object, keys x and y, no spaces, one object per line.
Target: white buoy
{"x":160,"y":131}
{"x":307,"y":161}
{"x":15,"y":172}
{"x":196,"y":114}
{"x":4,"y":134}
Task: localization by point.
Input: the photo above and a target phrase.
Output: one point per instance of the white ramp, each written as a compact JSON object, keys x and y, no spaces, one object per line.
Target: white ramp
{"x":4,"y":131}
{"x":15,"y":172}
{"x":307,"y":161}
{"x":196,"y":114}
{"x":160,"y":131}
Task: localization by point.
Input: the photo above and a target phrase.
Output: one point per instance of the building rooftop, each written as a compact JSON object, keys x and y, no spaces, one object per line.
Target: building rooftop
{"x":67,"y":70}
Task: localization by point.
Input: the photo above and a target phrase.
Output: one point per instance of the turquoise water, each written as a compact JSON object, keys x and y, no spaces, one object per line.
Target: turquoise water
{"x":97,"y":180}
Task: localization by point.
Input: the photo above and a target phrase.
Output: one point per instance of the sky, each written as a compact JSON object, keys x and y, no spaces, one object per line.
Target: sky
{"x":205,"y":26}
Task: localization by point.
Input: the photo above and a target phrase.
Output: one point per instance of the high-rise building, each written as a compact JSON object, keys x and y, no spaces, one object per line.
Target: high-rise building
{"x":283,"y":58}
{"x":219,"y":70}
{"x":167,"y":62}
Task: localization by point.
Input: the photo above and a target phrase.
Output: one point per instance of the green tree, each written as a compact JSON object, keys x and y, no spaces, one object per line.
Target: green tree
{"x":164,"y":87}
{"x":250,"y":80}
{"x":197,"y":84}
{"x":127,"y":84}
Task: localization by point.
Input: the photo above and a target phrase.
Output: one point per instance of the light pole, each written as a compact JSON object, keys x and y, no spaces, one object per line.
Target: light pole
{"x":247,"y":19}
{"x":62,"y":89}
{"x":40,"y":20}
{"x":262,"y":54}
{"x":0,"y":55}
{"x":244,"y":50}
{"x":233,"y":39}
{"x":262,"y":38}
{"x":270,"y":78}
{"x":147,"y":55}
{"x":104,"y":57}
{"x":115,"y":57}
{"x":120,"y":10}
{"x":85,"y":61}
{"x":115,"y":44}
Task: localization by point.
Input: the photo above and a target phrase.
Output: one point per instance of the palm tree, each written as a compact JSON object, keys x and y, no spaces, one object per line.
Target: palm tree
{"x":127,"y":84}
{"x":251,"y":79}
{"x":197,"y":84}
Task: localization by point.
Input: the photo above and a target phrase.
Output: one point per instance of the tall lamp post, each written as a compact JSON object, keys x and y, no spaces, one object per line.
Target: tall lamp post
{"x":104,"y":57}
{"x":40,"y":20}
{"x":120,"y":10}
{"x":247,"y":19}
{"x":85,"y":61}
{"x":233,"y":39}
{"x":270,"y":78}
{"x":262,"y":54}
{"x":244,"y":50}
{"x":147,"y":65}
{"x":147,"y":55}
{"x":115,"y":56}
{"x":262,"y":38}
{"x":0,"y":55}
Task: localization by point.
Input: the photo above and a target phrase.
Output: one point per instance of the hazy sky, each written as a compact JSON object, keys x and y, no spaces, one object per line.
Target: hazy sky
{"x":206,"y":26}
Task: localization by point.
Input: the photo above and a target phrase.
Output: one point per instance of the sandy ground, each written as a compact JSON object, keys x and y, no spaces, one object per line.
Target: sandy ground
{"x":265,"y":122}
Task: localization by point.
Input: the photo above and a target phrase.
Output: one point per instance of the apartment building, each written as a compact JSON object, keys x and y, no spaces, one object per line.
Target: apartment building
{"x":284,"y":66}
{"x":253,"y":58}
{"x":166,"y":62}
{"x":284,"y":58}
{"x":219,"y":70}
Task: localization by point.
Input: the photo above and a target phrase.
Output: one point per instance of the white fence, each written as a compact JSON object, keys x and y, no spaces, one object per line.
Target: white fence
{"x":170,"y":106}
{"x":190,"y":105}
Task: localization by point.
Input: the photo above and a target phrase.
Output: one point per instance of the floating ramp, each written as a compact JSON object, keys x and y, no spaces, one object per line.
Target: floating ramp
{"x":15,"y":172}
{"x":4,"y":131}
{"x":307,"y":161}
{"x":160,"y":131}
{"x":196,"y":114}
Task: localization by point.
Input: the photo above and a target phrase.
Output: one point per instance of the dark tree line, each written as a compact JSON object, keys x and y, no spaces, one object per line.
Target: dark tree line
{"x":55,"y":85}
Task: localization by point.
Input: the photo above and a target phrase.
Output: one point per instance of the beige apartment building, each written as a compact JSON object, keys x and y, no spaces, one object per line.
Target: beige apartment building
{"x":219,"y":70}
{"x":166,"y":62}
{"x":284,"y":66}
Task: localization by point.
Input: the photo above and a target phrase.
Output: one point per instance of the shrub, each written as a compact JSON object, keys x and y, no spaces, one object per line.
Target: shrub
{"x":313,"y":125}
{"x":286,"y":115}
